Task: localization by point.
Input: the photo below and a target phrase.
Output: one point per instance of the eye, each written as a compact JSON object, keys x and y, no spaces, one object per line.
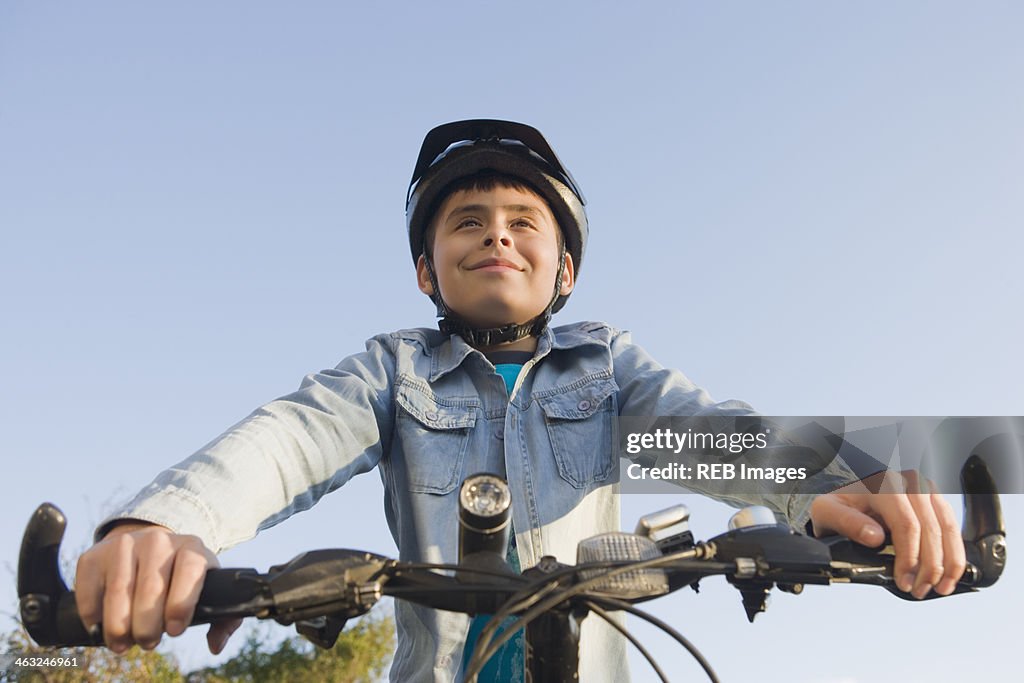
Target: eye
{"x":467,"y":223}
{"x":522,"y":223}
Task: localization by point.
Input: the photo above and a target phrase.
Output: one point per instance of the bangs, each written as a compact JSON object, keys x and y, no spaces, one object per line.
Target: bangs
{"x":485,"y":181}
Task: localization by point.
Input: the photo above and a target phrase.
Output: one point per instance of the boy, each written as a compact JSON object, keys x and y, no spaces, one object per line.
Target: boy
{"x":498,"y":233}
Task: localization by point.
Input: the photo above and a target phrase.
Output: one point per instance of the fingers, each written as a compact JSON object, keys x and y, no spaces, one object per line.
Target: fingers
{"x":954,"y":557}
{"x":852,"y":516}
{"x":155,"y":560}
{"x":190,"y":567}
{"x":141,"y":583}
{"x":940,"y":558}
{"x":89,"y":590}
{"x":928,"y":548}
{"x":118,"y":591}
{"x":929,"y":567}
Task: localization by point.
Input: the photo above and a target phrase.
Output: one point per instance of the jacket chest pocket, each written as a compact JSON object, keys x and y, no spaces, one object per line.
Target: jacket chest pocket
{"x":580,"y":425}
{"x":434,"y":433}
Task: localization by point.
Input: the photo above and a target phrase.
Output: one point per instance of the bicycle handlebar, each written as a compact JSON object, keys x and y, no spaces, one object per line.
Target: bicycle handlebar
{"x":319,"y":590}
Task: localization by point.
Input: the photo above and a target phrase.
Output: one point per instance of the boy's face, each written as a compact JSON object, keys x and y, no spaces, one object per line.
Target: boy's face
{"x":495,"y":255}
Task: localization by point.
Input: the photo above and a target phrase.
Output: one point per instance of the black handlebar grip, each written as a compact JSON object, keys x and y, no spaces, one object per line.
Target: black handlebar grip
{"x":232,"y":593}
{"x":47,"y":607}
{"x":53,"y":620}
{"x":983,"y":531}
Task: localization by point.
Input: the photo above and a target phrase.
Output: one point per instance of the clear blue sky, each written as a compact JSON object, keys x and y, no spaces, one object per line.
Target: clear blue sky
{"x":814,"y":207}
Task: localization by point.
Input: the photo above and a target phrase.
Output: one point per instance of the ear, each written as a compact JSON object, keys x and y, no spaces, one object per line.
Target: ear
{"x":568,"y":276}
{"x":423,"y":277}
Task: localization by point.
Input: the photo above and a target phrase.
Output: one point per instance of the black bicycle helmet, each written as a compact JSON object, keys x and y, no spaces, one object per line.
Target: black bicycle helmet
{"x":460,"y":149}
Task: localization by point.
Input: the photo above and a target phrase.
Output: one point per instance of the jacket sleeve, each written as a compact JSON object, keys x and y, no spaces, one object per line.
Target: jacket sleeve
{"x":647,"y":389}
{"x":280,"y":459}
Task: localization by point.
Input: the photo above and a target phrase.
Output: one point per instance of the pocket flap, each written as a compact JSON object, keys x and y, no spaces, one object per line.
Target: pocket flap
{"x":436,"y":413}
{"x":578,"y":403}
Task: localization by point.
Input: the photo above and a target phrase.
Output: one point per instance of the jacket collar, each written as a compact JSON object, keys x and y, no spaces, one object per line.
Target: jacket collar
{"x":449,"y":355}
{"x":453,"y":349}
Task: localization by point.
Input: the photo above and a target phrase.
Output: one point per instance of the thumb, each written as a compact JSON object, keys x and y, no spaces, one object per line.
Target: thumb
{"x":832,"y":514}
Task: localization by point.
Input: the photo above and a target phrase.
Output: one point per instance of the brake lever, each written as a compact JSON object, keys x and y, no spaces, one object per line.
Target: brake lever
{"x":319,"y":591}
{"x":340,"y":583}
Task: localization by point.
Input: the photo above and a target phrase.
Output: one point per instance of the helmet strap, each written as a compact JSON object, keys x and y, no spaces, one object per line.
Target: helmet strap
{"x":452,"y":323}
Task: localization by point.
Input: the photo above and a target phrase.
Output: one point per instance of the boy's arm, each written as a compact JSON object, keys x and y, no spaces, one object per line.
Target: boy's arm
{"x":144,"y":574}
{"x":929,"y":550}
{"x":280,"y":459}
{"x":648,"y":389}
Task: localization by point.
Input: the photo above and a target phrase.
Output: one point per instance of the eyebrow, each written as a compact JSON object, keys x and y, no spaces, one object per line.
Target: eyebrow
{"x":482,"y":208}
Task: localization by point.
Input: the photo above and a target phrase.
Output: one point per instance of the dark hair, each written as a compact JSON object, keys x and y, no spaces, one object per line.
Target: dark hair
{"x":483,"y":181}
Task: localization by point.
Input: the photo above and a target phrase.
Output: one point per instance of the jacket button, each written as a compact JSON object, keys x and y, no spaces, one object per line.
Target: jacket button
{"x":584,"y":405}
{"x":499,"y":432}
{"x":432,"y":416}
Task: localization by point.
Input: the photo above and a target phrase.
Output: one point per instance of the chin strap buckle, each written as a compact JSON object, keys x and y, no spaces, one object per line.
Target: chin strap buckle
{"x":490,"y":336}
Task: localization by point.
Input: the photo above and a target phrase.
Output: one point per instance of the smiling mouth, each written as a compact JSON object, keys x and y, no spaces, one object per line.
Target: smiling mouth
{"x":494,"y":265}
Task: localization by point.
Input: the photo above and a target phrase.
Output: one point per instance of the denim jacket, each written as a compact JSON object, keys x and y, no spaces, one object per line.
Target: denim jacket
{"x":428,"y":410}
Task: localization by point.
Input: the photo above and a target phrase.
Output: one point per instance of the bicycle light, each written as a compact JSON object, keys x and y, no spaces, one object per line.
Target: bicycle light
{"x":618,"y":547}
{"x":485,"y":514}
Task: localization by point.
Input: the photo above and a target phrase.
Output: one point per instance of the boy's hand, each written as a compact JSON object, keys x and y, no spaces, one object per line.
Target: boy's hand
{"x":929,"y":548}
{"x":143,"y":580}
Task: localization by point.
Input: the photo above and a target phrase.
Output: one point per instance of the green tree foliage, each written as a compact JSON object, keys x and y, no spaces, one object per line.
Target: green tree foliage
{"x":93,"y":664}
{"x":361,"y":654}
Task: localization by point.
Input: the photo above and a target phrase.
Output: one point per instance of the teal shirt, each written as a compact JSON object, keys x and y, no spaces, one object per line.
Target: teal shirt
{"x":507,"y":666}
{"x":510,"y":373}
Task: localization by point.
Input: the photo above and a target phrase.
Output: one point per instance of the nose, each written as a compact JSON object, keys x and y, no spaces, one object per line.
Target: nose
{"x":497,"y":233}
